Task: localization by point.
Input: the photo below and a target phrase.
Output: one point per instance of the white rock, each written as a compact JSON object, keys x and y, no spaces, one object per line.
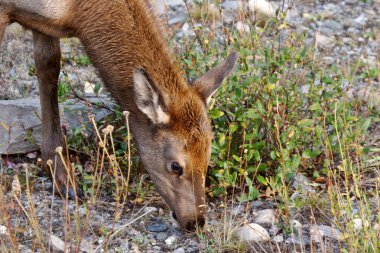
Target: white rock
{"x":296,"y":224}
{"x":150,"y":209}
{"x":252,"y":233}
{"x":170,"y":240}
{"x":57,"y":243}
{"x":262,"y":11}
{"x":179,"y":250}
{"x":361,"y":20}
{"x":266,"y":216}
{"x":358,"y":224}
{"x":3,"y":230}
{"x":242,"y":27}
{"x":278,"y":239}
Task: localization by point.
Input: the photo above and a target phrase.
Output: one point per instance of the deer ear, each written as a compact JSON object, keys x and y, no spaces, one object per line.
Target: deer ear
{"x":148,"y":99}
{"x":207,"y":84}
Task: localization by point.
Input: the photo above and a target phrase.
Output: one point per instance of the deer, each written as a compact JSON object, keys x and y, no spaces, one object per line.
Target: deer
{"x":168,"y":114}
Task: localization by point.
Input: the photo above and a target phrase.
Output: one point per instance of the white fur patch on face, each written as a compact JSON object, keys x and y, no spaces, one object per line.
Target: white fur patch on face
{"x":147,"y":99}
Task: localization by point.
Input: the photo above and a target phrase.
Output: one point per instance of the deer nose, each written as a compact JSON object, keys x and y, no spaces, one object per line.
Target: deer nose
{"x":198,"y":222}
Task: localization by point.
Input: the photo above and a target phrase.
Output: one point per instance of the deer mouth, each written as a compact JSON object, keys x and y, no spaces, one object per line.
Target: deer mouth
{"x":174,"y":215}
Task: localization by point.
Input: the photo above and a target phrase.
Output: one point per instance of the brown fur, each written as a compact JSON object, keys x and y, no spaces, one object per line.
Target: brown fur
{"x":121,"y":36}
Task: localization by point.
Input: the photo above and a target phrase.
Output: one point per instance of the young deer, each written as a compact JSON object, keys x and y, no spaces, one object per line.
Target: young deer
{"x":168,"y":116}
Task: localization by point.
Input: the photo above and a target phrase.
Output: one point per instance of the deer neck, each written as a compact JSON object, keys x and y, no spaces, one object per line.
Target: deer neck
{"x":119,"y":37}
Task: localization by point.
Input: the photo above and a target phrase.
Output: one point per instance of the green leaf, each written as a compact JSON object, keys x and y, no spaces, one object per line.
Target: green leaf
{"x":215,"y":113}
{"x":307,"y":153}
{"x":305,"y":122}
{"x":262,"y":180}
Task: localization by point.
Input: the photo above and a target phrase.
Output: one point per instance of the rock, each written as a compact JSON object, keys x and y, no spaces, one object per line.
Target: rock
{"x":335,"y":26}
{"x":150,"y":209}
{"x":296,"y":224}
{"x":278,"y":239}
{"x":3,"y":230}
{"x":302,"y":183}
{"x":256,"y":204}
{"x":179,"y":250}
{"x":242,"y":27}
{"x":161,"y":236}
{"x":177,"y":19}
{"x":252,"y":233}
{"x":358,"y":224}
{"x":325,"y":42}
{"x":361,"y":20}
{"x":266,"y":217}
{"x":262,"y":11}
{"x":158,"y":226}
{"x":297,"y":241}
{"x":327,"y":231}
{"x":316,"y":235}
{"x":23,"y":118}
{"x":57,"y":243}
{"x":237,"y":210}
{"x":157,"y":248}
{"x":124,"y":246}
{"x":170,"y":240}
{"x":134,"y":248}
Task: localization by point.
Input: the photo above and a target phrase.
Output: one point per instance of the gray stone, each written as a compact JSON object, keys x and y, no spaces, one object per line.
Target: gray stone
{"x":327,"y":231}
{"x":298,"y":241}
{"x":302,"y":183}
{"x":326,"y":42}
{"x":278,"y":239}
{"x":334,"y":25}
{"x":158,"y":226}
{"x":257,"y":203}
{"x":161,"y":236}
{"x":239,"y":209}
{"x":150,"y":209}
{"x":252,"y":233}
{"x":179,"y":250}
{"x":360,"y":20}
{"x":177,"y":19}
{"x":23,"y":118}
{"x":266,"y":217}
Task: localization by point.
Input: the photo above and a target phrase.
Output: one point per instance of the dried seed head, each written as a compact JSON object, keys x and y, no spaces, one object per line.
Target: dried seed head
{"x":91,"y":117}
{"x":110,"y":128}
{"x":101,"y":144}
{"x":49,"y":162}
{"x":112,"y":157}
{"x":16,"y":186}
{"x":126,"y":113}
{"x":59,"y":150}
{"x":105,"y":131}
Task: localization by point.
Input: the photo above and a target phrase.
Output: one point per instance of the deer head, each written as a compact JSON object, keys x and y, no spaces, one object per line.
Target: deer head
{"x":175,"y":144}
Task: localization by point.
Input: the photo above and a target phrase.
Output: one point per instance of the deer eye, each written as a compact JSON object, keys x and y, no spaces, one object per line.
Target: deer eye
{"x":176,"y":168}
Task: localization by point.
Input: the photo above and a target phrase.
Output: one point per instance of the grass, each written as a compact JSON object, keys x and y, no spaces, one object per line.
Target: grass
{"x":280,"y":114}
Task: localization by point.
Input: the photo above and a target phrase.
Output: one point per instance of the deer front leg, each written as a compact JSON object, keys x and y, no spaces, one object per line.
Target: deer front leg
{"x":47,"y":55}
{"x":4,"y":20}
